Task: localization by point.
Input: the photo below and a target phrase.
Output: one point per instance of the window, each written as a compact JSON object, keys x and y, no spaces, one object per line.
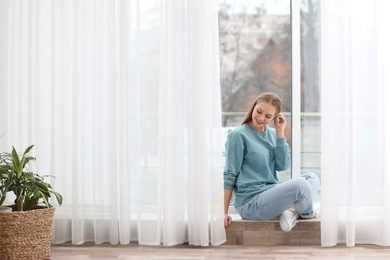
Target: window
{"x":257,"y":55}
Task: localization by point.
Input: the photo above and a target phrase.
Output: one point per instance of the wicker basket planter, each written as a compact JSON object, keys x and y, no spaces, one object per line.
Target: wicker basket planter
{"x":26,"y":234}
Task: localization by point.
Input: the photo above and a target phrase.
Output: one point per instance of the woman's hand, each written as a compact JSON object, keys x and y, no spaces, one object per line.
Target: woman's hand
{"x":227,"y":196}
{"x":280,"y":123}
{"x":228,"y":220}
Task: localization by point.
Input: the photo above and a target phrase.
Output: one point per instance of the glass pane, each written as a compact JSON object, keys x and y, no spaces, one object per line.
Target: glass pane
{"x":310,"y":94}
{"x":255,"y":57}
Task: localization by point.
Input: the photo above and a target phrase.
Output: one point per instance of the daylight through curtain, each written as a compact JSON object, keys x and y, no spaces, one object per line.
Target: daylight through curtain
{"x":122,"y":101}
{"x":355,"y":122}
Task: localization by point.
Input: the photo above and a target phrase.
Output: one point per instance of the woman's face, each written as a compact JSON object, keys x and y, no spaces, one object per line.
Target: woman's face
{"x":262,"y":115}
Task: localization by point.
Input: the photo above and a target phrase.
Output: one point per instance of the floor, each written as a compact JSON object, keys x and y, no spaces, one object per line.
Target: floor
{"x":184,"y":252}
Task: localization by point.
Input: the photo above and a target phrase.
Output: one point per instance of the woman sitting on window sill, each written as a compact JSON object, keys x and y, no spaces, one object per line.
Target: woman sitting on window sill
{"x":254,"y":154}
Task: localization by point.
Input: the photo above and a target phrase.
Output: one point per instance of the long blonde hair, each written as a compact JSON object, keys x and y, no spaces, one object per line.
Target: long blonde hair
{"x":268,"y":97}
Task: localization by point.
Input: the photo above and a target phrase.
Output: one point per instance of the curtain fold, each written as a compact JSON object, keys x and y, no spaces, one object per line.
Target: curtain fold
{"x":355,"y":64}
{"x":122,"y":101}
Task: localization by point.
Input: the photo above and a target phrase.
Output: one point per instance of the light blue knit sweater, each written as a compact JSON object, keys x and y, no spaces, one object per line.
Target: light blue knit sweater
{"x":251,"y":161}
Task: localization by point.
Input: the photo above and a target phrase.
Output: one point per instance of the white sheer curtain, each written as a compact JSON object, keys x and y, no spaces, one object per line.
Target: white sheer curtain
{"x":355,"y":122}
{"x":122,"y":100}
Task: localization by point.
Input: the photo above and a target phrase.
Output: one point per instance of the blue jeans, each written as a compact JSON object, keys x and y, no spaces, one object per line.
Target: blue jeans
{"x":271,"y":203}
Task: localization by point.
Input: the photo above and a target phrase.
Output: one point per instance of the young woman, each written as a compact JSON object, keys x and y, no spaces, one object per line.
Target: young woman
{"x":254,"y":154}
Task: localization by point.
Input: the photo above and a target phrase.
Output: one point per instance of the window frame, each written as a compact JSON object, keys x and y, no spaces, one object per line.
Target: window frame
{"x":295,"y":16}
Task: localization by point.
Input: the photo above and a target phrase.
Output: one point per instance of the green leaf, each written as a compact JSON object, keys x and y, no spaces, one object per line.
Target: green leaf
{"x":31,"y":176}
{"x":15,"y":157}
{"x":37,"y":194}
{"x":26,"y":160}
{"x":28,"y":149}
{"x":42,"y":189}
{"x":2,"y":199}
{"x":40,"y":192}
{"x":4,"y":171}
{"x":46,"y":202}
{"x":28,"y":194}
{"x":5,"y":190}
{"x":16,"y":162}
{"x":41,"y":186}
{"x":48,"y":185}
{"x":8,"y":185}
{"x":28,"y":186}
{"x":58,"y":197}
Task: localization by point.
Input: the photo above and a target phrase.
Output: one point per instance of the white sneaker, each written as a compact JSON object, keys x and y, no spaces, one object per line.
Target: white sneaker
{"x":287,"y":220}
{"x":317,"y":208}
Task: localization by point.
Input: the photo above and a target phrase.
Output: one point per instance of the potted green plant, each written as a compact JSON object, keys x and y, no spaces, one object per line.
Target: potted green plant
{"x":25,"y":233}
